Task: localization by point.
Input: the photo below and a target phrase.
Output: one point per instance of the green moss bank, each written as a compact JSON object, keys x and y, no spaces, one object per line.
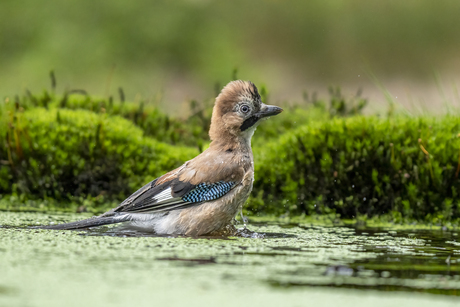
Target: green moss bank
{"x":408,"y":167}
{"x":62,"y":154}
{"x":76,"y":151}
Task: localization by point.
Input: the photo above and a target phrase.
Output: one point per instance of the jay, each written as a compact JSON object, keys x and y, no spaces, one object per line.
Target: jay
{"x":203,"y":195}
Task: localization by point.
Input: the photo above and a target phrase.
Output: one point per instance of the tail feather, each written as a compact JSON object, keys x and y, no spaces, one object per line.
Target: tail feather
{"x":91,"y":222}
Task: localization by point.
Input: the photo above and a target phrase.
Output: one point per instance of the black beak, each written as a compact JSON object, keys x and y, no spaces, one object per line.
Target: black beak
{"x":268,"y":110}
{"x":265,"y":111}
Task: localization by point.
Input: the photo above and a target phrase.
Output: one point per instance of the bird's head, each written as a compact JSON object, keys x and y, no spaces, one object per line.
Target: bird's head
{"x":238,"y":110}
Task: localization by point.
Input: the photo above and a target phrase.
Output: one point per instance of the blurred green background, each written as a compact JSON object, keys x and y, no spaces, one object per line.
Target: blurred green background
{"x":171,"y":51}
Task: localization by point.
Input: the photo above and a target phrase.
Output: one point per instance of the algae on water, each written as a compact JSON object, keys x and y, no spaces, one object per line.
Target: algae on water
{"x":104,"y":267}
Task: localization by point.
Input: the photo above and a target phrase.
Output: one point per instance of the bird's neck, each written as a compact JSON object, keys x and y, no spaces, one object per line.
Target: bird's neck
{"x":232,"y":143}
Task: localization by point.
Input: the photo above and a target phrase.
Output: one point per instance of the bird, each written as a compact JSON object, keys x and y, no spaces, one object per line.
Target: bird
{"x":204,"y":195}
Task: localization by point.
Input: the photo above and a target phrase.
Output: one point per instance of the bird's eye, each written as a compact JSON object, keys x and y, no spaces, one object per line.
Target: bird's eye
{"x":244,"y":108}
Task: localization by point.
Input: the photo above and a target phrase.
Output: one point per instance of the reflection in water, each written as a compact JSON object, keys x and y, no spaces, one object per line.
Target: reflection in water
{"x":129,"y":232}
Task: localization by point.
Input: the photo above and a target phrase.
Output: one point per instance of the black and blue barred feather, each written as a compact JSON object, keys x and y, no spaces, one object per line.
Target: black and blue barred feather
{"x":208,"y":191}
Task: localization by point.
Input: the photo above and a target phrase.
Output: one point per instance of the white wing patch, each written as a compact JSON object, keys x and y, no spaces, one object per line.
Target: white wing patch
{"x":164,"y":199}
{"x":163,"y":196}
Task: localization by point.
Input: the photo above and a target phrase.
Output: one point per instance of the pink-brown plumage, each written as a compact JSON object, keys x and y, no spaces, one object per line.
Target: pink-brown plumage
{"x":204,"y":194}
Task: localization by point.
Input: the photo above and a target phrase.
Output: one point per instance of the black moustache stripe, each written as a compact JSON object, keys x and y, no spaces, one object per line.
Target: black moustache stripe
{"x":248,"y":123}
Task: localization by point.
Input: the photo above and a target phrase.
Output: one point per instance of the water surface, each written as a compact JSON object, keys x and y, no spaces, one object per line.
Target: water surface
{"x":282,"y":264}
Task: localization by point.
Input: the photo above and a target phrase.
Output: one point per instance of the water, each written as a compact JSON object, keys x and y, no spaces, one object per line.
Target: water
{"x":288,"y":264}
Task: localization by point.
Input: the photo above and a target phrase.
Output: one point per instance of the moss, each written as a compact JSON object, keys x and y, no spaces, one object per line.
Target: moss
{"x":406,"y":167}
{"x":153,"y":122}
{"x":73,"y":150}
{"x":63,"y":154}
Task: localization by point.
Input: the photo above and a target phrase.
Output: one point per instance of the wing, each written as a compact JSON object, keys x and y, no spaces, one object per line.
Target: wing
{"x":173,"y":194}
{"x":207,"y":177}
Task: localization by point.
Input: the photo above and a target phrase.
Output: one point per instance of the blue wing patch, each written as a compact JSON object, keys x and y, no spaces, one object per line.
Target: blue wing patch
{"x":208,"y":191}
